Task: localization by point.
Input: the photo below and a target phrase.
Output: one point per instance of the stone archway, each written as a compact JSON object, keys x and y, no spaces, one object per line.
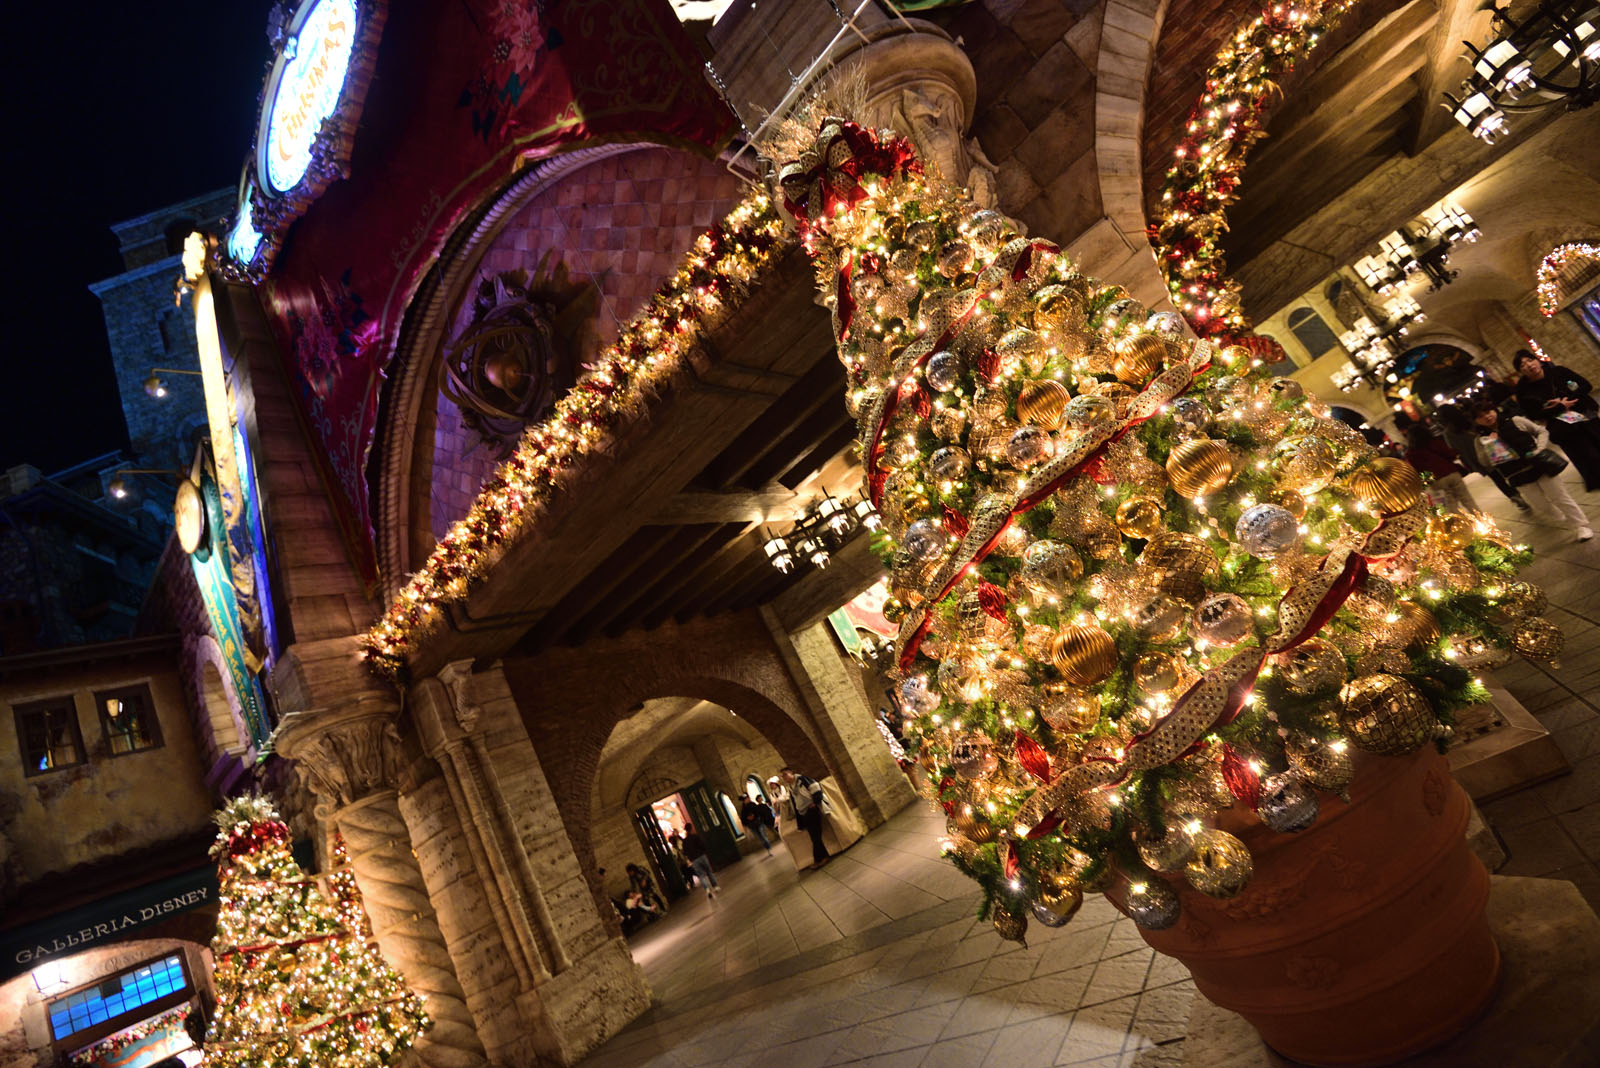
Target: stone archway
{"x":573,"y":699}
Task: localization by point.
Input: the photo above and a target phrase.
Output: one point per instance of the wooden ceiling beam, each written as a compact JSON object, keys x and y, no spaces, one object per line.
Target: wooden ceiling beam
{"x":708,"y":562}
{"x":645,"y":572}
{"x":714,"y":577}
{"x":1351,"y":106}
{"x":815,"y":389}
{"x":629,"y":612}
{"x":1258,"y":221}
{"x":800,"y":441}
{"x":597,"y":585}
{"x":757,"y":571}
{"x":1457,"y":21}
{"x":832,"y":444}
{"x":774,"y":504}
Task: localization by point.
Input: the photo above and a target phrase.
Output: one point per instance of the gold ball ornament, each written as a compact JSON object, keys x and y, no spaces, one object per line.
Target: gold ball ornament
{"x":1305,"y":465}
{"x":1058,"y":308}
{"x":1042,"y":402}
{"x":1385,"y":714}
{"x":1021,"y":348}
{"x":1155,"y":673}
{"x":1538,"y":639}
{"x":1139,"y":517}
{"x":1325,"y":765}
{"x":1220,"y":865}
{"x":1179,"y":563}
{"x":1452,"y":530}
{"x":1139,"y":359}
{"x":949,"y":424}
{"x":1049,"y":567}
{"x":1290,"y":500}
{"x":1312,"y":666}
{"x":1199,"y":467}
{"x":1012,"y":926}
{"x":1387,"y":485}
{"x":1084,"y":655}
{"x":1058,"y":901}
{"x":1068,"y":709}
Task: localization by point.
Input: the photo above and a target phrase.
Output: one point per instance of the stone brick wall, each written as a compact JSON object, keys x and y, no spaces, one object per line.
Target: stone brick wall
{"x":147,"y":330}
{"x":622,"y":223}
{"x":1036,"y":62}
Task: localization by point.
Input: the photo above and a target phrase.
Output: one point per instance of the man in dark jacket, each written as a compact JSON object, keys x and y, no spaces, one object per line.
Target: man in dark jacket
{"x":694,"y":847}
{"x":754,"y":816}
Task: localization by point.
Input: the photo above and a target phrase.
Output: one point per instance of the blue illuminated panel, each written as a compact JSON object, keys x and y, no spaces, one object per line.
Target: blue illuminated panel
{"x":116,"y":996}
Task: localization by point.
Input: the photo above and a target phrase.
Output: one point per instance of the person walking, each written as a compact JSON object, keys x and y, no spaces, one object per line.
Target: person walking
{"x":1426,"y":451}
{"x":1518,"y":448}
{"x":1564,"y":401}
{"x":805,"y":794}
{"x":1461,"y":436}
{"x":754,"y":816}
{"x":694,"y":847}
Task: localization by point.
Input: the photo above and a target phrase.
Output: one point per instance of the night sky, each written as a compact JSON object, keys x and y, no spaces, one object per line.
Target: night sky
{"x":112,"y":110}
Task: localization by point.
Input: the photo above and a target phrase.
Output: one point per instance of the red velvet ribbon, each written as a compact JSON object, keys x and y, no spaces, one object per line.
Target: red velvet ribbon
{"x":846,"y":300}
{"x":1032,"y":757}
{"x":867,"y":156}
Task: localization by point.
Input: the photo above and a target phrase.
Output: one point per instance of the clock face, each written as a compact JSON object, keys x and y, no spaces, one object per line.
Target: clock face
{"x":307,"y":84}
{"x":189,"y":516}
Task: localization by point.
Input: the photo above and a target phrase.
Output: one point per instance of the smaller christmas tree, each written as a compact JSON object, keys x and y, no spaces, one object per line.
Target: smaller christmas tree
{"x":299,"y":979}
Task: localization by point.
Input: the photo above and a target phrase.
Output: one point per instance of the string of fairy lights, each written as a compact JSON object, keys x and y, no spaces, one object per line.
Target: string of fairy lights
{"x":1208,"y":162}
{"x":1557,"y":262}
{"x":655,"y":346}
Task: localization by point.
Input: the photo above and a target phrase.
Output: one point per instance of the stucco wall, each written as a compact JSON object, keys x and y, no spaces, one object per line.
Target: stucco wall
{"x":109,"y":804}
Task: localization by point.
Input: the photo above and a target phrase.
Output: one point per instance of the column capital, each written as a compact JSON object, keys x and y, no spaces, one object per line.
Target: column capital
{"x":349,"y":753}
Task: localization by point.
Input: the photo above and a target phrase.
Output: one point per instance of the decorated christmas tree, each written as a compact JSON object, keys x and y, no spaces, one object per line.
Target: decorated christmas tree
{"x":1138,"y":579}
{"x":299,"y":979}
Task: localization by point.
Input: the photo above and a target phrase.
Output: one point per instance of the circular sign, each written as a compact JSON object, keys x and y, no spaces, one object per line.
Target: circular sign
{"x":306,"y":86}
{"x":189,"y":516}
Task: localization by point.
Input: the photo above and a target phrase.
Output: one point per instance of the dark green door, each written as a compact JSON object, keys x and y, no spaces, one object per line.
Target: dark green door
{"x":669,"y":877}
{"x":706,"y":810}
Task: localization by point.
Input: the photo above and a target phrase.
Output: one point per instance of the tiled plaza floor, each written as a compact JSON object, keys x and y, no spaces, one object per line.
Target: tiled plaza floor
{"x":878,"y":959}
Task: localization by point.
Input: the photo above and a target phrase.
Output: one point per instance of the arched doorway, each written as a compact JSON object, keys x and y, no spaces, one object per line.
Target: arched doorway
{"x":675,"y":763}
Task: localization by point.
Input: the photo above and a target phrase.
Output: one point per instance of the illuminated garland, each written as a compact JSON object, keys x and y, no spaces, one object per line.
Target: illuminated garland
{"x":102,"y":1051}
{"x":1204,"y":179}
{"x":655,"y":346}
{"x":1560,"y":258}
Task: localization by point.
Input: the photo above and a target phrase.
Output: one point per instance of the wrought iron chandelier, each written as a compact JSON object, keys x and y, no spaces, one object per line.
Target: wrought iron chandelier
{"x":1421,"y":246}
{"x":820,"y":533}
{"x":1374,"y":346}
{"x":1550,"y":57}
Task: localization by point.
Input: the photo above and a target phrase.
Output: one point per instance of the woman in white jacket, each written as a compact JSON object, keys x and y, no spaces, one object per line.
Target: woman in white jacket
{"x":1519,"y":450}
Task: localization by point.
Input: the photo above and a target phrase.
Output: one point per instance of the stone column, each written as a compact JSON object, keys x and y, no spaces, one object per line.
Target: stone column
{"x":845,"y":723}
{"x":351,"y":755}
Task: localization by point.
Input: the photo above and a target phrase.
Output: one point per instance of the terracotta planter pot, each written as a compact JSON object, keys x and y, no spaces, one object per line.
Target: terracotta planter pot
{"x":1361,"y":940}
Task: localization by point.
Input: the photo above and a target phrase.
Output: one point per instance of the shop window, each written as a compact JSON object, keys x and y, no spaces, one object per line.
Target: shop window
{"x":48,"y":736}
{"x":129,"y":719}
{"x":118,"y":996}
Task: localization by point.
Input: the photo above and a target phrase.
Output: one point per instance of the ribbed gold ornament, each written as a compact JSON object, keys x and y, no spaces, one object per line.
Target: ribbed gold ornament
{"x":1041,"y":402}
{"x":1139,"y":358}
{"x":1386,"y":714}
{"x":1416,"y":625}
{"x":1199,"y":467}
{"x":1139,"y":517}
{"x":1387,"y":484}
{"x":1084,"y":655}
